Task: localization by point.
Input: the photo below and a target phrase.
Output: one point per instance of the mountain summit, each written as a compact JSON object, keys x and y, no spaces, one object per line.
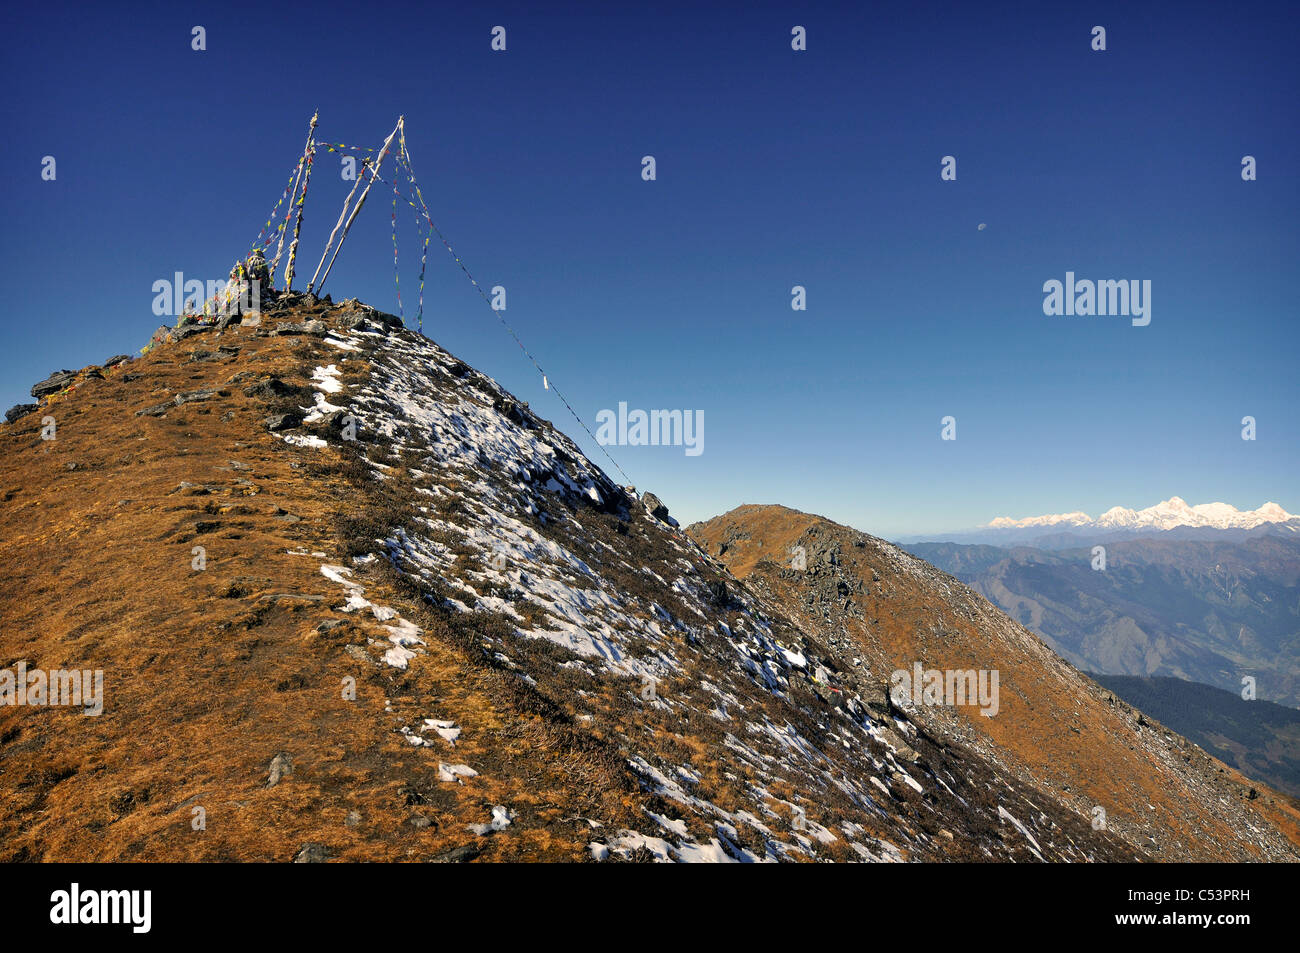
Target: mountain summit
{"x":1171,"y":513}
{"x":350,"y":599}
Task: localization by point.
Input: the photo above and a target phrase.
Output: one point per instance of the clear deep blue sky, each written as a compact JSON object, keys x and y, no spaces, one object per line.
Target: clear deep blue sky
{"x":775,"y":168}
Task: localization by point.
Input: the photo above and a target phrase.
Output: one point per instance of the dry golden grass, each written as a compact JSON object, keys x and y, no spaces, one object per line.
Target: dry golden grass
{"x":209,"y":674}
{"x":907,"y":620}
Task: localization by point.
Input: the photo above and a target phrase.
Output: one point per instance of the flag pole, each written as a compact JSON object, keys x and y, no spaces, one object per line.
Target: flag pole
{"x":302,"y":201}
{"x":374,"y":174}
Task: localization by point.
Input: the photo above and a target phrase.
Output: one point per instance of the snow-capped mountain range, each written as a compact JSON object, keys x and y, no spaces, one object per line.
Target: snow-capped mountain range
{"x":1171,"y":513}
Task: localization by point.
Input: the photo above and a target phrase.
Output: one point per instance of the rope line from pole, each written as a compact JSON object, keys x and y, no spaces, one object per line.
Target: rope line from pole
{"x":403,"y":157}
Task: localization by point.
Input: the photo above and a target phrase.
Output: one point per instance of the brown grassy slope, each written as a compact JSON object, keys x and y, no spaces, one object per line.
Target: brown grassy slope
{"x":1054,"y":724}
{"x":209,"y":674}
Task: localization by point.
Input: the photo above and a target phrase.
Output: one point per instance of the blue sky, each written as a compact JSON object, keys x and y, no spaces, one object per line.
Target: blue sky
{"x":775,"y":168}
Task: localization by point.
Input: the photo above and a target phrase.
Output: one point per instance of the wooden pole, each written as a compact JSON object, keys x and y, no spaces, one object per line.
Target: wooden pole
{"x":293,"y":200}
{"x":302,"y":202}
{"x":347,"y":203}
{"x":374,"y":174}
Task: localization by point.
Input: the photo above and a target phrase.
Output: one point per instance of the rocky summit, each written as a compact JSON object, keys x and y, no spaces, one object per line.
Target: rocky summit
{"x":350,"y":600}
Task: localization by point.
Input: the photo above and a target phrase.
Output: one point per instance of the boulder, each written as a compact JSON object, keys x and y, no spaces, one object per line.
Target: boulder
{"x":18,"y":410}
{"x":117,"y":359}
{"x":458,"y":855}
{"x":282,"y":422}
{"x":54,"y":383}
{"x":335,"y":422}
{"x":655,"y":506}
{"x":514,"y":412}
{"x":281,"y":767}
{"x":194,"y":395}
{"x":271,"y":387}
{"x":902,"y":749}
{"x":721,"y":596}
{"x":312,"y":853}
{"x":189,"y":330}
{"x":311,"y":328}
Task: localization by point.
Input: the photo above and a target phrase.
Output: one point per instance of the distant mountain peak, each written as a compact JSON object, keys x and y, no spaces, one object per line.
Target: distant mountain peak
{"x":1069,"y":519}
{"x":1172,"y":512}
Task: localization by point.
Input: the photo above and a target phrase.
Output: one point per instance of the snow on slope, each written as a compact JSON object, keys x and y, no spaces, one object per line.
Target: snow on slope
{"x":510,"y":524}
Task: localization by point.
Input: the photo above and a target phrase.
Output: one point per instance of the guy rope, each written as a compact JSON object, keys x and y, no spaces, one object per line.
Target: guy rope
{"x":372,"y":163}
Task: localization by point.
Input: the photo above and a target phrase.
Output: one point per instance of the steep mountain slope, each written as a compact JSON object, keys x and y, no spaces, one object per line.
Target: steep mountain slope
{"x":352,"y":600}
{"x":1210,"y":612}
{"x":1259,"y":738}
{"x":1054,"y":728}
